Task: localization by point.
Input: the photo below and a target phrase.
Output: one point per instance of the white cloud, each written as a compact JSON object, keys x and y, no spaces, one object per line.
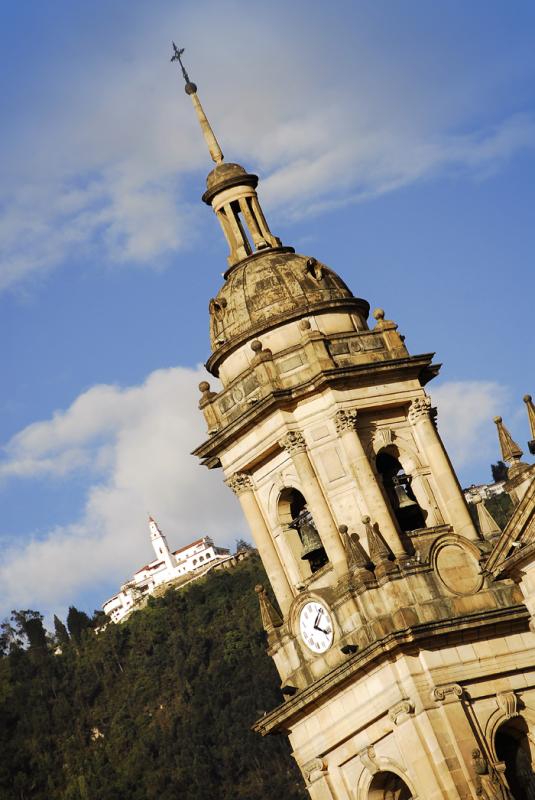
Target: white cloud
{"x":107,"y":173}
{"x":134,"y":445}
{"x":465,"y":419}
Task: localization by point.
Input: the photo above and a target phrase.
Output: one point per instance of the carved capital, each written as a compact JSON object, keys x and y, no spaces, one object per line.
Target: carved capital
{"x":420,"y":408}
{"x":239,"y":482}
{"x":314,"y":770}
{"x":401,"y":711}
{"x":345,"y":420}
{"x":368,"y":759}
{"x":508,"y":702}
{"x":293,"y":442}
{"x":447,"y":693}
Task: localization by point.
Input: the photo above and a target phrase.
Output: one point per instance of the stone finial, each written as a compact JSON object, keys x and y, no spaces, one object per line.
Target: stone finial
{"x":379,"y":550}
{"x":345,"y":419}
{"x":239,"y":482}
{"x":531,"y":419}
{"x":510,"y":450}
{"x":358,"y":558}
{"x":293,"y":442}
{"x":206,"y":395}
{"x":379,"y":315}
{"x":270,"y":616}
{"x":487,"y":524}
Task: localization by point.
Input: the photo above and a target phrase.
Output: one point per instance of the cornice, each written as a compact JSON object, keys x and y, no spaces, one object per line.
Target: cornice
{"x":366,"y":374}
{"x":282,"y":718}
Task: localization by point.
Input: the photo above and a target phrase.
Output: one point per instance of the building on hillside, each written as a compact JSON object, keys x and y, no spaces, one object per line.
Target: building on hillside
{"x":169,"y":567}
{"x":405,"y":640}
{"x":483,"y":490}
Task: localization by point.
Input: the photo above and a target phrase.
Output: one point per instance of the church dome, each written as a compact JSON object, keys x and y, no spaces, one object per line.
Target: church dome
{"x":268,"y":289}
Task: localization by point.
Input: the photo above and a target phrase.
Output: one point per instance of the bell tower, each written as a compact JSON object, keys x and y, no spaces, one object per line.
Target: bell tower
{"x":324,"y":430}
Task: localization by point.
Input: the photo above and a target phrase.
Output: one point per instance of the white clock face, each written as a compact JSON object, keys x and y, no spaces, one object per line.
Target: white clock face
{"x":316,"y":627}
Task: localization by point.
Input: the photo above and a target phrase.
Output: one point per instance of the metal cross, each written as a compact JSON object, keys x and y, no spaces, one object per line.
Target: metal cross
{"x":177,"y":57}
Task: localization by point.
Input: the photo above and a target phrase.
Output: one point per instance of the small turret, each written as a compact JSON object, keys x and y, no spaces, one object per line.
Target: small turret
{"x":159,"y":542}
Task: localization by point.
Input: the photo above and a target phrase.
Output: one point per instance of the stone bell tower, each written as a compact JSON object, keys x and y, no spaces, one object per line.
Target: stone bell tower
{"x":400,"y":657}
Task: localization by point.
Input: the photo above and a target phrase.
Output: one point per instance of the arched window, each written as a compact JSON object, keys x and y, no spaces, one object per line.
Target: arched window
{"x":388,"y":786}
{"x":307,"y":544}
{"x":513,"y":748}
{"x":397,"y":484}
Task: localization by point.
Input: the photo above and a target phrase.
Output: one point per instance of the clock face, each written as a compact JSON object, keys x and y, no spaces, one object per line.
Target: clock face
{"x":316,"y":627}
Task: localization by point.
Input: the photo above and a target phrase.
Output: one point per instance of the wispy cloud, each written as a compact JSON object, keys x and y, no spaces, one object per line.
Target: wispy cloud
{"x":465,"y":413}
{"x":107,"y":174}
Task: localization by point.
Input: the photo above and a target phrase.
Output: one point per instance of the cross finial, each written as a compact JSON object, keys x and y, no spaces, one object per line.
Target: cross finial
{"x":191,"y":89}
{"x":177,"y":56}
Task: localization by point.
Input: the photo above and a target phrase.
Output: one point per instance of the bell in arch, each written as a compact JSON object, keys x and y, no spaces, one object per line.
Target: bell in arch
{"x":403,"y":499}
{"x":313,"y":550}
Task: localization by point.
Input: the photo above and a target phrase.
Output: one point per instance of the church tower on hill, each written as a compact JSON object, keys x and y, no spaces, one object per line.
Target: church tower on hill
{"x":402,"y":635}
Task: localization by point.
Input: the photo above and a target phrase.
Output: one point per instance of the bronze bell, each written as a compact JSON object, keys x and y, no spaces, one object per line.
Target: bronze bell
{"x":403,"y":499}
{"x":311,"y":540}
{"x":313,"y":550}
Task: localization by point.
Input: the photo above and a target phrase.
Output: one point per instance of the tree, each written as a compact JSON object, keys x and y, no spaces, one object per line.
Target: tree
{"x":77,"y":623}
{"x":241,"y":544}
{"x":29,"y":627}
{"x":499,"y":471}
{"x":61,"y":633}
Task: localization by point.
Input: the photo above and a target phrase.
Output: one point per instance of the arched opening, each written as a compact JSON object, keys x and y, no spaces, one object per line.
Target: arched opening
{"x":388,"y":786}
{"x":306,"y":541}
{"x":397,"y":485}
{"x":513,"y":748}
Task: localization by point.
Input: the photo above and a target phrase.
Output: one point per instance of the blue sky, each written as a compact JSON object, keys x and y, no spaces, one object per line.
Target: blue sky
{"x":395,"y":142}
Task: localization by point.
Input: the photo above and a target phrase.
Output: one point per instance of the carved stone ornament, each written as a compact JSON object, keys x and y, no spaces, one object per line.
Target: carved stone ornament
{"x":447,"y":693}
{"x":239,"y":482}
{"x":383,"y":438}
{"x":368,"y":759}
{"x":508,"y":702}
{"x":401,"y":711}
{"x":345,"y":420}
{"x":293,"y":442}
{"x":419,"y":409}
{"x":488,"y":782}
{"x":314,"y":770}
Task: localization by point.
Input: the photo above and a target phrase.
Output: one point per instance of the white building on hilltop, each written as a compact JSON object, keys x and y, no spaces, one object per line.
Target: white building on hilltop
{"x":191,"y":562}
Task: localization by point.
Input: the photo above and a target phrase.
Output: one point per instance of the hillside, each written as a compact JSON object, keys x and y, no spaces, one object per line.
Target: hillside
{"x":159,"y":707}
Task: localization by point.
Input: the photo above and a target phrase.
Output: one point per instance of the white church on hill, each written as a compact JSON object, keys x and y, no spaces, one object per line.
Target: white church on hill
{"x":179,"y":566}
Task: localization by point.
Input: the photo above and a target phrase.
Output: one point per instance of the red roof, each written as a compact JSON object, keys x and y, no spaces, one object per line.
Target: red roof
{"x":181,"y":549}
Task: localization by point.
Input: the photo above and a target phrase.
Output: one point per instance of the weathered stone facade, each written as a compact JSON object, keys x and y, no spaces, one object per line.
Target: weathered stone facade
{"x":324,"y":430}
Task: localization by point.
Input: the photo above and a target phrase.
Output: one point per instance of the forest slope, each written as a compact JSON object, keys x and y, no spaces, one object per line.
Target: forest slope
{"x":158,"y":707}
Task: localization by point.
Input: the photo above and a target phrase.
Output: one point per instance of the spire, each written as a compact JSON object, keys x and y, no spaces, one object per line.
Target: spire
{"x":510,"y":450}
{"x":488,"y":526}
{"x":191,"y":89}
{"x":230,"y":190}
{"x":531,"y":418}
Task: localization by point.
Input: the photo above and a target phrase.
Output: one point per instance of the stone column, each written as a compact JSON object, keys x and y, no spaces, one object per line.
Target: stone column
{"x":454,"y":508}
{"x":242,"y":486}
{"x":294,"y":443}
{"x":369,"y":489}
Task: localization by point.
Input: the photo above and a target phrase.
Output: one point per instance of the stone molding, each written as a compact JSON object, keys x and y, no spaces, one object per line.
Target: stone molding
{"x":447,"y":693}
{"x":293,"y":442}
{"x":508,"y":703}
{"x":401,"y":711}
{"x":240,"y":482}
{"x":368,"y":759}
{"x":314,"y":770}
{"x":345,"y":420}
{"x":420,"y":408}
